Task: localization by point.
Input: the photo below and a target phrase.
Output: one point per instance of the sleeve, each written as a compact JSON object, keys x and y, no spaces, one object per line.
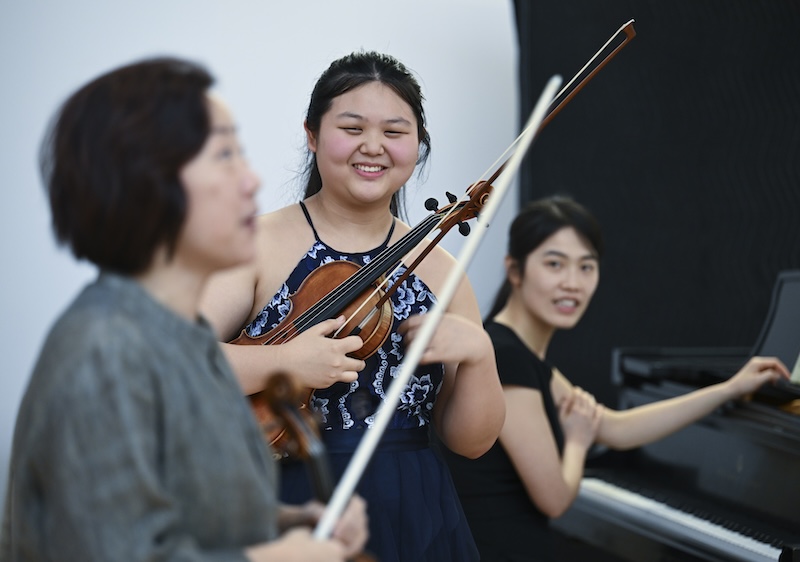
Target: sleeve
{"x":517,"y":366}
{"x":98,"y":454}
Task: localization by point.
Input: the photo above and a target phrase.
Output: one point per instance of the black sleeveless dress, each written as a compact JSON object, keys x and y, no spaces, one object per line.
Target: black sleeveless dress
{"x":506,"y":524}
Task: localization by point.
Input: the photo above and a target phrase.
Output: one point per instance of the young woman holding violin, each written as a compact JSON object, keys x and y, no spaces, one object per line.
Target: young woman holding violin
{"x":533,"y":472}
{"x":366,"y":134}
{"x":133,"y":441}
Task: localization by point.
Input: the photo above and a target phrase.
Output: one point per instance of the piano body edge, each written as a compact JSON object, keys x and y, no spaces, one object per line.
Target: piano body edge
{"x":741,"y":464}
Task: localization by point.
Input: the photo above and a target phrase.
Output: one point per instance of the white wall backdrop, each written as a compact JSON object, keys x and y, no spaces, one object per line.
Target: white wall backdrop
{"x":266,"y":57}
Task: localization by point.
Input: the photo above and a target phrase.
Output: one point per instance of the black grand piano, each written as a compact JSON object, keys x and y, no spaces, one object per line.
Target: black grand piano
{"x":725,"y":488}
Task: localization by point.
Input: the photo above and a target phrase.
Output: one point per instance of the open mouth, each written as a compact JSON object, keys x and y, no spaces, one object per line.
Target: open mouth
{"x":369,"y":169}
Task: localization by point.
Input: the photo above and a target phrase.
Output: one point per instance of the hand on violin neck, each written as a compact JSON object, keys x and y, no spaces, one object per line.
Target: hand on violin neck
{"x":318,"y":361}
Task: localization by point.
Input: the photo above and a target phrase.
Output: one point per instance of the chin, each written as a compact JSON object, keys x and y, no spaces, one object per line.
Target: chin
{"x":566,"y":323}
{"x":235,"y":259}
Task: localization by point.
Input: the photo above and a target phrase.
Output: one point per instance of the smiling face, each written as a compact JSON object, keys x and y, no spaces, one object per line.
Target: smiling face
{"x":367,"y":144}
{"x":559,"y":279}
{"x":219,"y":230}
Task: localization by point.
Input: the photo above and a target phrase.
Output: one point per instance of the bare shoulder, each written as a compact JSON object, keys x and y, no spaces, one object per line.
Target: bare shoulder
{"x":282,"y":238}
{"x":436,"y":267}
{"x":434,"y":271}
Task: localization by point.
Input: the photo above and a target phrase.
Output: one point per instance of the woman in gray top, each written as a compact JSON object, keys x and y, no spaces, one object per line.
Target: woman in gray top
{"x":133,"y":440}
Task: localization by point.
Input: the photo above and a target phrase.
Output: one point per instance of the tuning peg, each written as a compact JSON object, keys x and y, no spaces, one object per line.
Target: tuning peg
{"x":450,"y":197}
{"x":463,"y":228}
{"x":431,"y":204}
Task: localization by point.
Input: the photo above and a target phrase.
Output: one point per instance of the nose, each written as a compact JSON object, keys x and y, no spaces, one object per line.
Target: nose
{"x":251,"y":183}
{"x":372,"y":144}
{"x":570,"y":279}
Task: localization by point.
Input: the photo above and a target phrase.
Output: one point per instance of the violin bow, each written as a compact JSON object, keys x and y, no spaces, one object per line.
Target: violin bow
{"x":366,"y":447}
{"x":565,"y":95}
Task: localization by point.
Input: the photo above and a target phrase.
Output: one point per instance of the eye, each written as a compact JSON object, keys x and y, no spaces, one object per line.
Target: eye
{"x":352,"y":130}
{"x":553,"y":264}
{"x":226,"y":153}
{"x":589,"y":267}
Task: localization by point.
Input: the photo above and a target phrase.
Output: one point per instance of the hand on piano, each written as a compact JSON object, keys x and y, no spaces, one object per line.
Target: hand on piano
{"x":755,"y":373}
{"x":580,"y":416}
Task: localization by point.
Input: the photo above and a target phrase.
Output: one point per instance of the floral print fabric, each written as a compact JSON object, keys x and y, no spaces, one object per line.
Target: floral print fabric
{"x":347,"y":406}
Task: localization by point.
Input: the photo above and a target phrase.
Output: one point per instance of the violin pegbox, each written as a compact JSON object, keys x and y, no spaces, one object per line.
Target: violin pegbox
{"x":458,"y":212}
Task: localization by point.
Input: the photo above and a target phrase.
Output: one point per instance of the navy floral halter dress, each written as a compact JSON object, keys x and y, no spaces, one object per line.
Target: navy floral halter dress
{"x":414,"y":512}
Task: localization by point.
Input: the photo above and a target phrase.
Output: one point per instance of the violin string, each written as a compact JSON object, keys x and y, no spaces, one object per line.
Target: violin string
{"x":360,"y":277}
{"x":387,"y":278}
{"x":374,"y":293}
{"x":378,"y":288}
{"x":311,"y":316}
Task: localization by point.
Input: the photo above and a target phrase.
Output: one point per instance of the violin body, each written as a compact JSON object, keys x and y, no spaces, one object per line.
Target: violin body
{"x":366,"y":315}
{"x":372,"y":327}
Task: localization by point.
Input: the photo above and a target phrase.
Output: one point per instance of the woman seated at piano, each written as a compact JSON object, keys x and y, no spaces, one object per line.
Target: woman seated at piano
{"x":533,"y":471}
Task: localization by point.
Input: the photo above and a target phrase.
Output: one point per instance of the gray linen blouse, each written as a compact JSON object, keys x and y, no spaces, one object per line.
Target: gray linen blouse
{"x":134,"y":442}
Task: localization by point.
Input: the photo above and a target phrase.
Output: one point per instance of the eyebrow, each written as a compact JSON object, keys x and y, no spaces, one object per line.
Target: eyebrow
{"x":393,"y":121}
{"x":563,"y":255}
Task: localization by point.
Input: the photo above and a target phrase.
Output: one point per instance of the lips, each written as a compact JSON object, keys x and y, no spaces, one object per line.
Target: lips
{"x":250,"y":219}
{"x":369,"y":168}
{"x":566,"y":304}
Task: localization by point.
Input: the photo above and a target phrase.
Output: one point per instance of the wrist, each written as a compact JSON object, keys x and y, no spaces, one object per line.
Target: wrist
{"x":482,"y":350}
{"x":728,"y":390}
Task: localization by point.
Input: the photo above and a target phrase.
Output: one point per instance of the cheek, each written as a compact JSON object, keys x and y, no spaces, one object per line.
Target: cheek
{"x":536,"y":295}
{"x":335,"y":148}
{"x":214,"y":208}
{"x":405,"y":154}
{"x":592,"y":287}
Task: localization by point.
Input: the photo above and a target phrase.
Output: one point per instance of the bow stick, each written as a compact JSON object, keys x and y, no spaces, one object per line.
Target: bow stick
{"x":557,"y":104}
{"x":366,"y":447}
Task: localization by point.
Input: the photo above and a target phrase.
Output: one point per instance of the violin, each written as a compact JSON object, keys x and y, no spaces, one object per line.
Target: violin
{"x":360,"y":292}
{"x":302,"y":439}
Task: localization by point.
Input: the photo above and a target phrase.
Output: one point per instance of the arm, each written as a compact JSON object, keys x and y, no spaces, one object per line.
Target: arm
{"x":551,"y":480}
{"x":469,"y":409}
{"x":648,"y":423}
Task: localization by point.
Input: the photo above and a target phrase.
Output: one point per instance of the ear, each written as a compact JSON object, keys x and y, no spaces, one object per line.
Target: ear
{"x":311,"y":140}
{"x":513,"y":271}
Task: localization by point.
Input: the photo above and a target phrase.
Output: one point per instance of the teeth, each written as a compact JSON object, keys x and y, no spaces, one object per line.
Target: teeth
{"x":566,"y":302}
{"x":369,"y":168}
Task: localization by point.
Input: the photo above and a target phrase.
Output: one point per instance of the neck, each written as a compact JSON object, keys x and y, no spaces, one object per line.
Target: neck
{"x":358,"y":227}
{"x":177,"y":288}
{"x":535,"y":334}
